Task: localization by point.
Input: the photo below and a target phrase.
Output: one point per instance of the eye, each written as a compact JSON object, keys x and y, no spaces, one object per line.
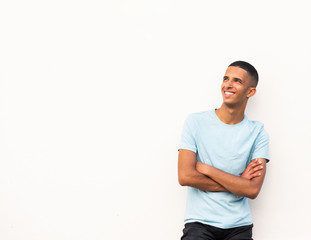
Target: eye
{"x":225,"y":78}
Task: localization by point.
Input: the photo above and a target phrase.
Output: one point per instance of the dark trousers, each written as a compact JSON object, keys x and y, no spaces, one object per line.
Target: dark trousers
{"x":200,"y":231}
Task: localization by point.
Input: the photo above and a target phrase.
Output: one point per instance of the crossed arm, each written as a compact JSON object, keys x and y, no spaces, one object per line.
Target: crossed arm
{"x":207,"y":178}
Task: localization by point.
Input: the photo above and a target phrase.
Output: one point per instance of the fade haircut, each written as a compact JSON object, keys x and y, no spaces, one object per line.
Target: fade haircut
{"x":249,"y":69}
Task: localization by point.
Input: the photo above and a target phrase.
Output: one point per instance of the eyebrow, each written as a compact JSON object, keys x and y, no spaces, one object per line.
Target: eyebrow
{"x":239,"y":79}
{"x":226,"y":77}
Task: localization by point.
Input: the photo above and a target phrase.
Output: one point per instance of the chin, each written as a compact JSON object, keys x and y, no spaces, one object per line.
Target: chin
{"x":230,"y":105}
{"x":230,"y":102}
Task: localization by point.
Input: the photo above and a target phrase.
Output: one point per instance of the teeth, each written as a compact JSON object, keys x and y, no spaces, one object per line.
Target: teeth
{"x":228,"y":93}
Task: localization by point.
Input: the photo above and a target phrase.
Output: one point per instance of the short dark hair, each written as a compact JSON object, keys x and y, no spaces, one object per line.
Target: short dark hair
{"x":248,"y":68}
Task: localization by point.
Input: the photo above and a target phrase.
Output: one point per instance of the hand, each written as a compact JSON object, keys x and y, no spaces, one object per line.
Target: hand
{"x":253,"y":170}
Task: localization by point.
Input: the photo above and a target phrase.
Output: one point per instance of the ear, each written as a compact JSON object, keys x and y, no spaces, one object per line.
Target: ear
{"x":251,"y":92}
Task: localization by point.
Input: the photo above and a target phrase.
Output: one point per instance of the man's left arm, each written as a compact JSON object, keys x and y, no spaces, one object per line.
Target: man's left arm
{"x":238,"y":185}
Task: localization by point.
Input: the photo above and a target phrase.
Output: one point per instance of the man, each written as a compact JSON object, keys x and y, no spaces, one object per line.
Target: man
{"x":222,"y":159}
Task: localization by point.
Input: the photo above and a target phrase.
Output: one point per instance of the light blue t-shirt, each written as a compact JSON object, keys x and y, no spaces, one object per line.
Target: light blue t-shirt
{"x":229,"y":148}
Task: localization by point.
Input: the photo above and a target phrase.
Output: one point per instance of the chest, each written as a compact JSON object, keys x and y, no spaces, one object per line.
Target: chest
{"x":226,"y":149}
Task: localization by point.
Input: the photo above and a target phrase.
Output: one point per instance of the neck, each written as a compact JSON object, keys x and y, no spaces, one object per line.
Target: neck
{"x":230,"y":115}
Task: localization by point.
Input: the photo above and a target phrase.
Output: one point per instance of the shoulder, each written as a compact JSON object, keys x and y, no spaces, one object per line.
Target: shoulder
{"x":196,"y":120}
{"x":257,"y":127}
{"x":256,"y":124}
{"x":199,"y":116}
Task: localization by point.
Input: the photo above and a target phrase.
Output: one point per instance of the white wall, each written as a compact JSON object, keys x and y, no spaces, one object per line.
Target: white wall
{"x":93,"y":97}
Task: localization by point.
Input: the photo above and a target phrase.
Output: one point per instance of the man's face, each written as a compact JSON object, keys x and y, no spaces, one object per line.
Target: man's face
{"x":235,"y":87}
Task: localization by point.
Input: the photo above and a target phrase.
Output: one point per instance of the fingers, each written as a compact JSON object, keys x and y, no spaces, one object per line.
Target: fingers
{"x":256,"y":169}
{"x":253,"y":169}
{"x":256,"y":174}
{"x":255,"y":163}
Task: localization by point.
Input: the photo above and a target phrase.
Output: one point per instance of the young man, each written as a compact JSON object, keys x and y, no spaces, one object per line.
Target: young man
{"x":222,"y":159}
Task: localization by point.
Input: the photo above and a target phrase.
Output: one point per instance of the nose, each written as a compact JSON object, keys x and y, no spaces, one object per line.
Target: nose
{"x":228,"y":83}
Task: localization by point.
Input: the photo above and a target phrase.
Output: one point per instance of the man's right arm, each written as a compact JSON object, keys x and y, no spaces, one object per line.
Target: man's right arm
{"x":189,"y":176}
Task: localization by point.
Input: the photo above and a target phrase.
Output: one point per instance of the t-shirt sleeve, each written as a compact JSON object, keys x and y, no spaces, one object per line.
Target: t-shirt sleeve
{"x":261,"y":146}
{"x":187,"y":140}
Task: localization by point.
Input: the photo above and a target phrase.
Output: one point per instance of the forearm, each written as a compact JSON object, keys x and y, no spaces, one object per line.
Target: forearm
{"x":188,"y":175}
{"x":235,"y":184}
{"x":200,"y":181}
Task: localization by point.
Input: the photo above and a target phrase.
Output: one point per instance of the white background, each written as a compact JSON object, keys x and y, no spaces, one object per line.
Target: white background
{"x":93,"y":96}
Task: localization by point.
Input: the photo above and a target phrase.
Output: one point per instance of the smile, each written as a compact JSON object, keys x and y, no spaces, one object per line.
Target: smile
{"x":229,"y":93}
